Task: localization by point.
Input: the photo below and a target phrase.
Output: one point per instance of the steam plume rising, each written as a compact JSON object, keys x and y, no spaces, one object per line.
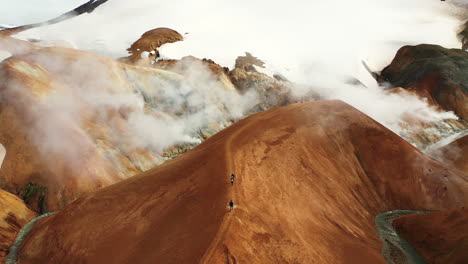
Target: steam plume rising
{"x":318,"y":45}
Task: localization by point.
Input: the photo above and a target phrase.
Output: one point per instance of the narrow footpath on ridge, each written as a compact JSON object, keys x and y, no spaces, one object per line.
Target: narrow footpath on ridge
{"x":232,"y":195}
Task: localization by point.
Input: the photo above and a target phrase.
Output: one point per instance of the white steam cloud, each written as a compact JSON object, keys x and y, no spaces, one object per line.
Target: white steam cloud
{"x":338,"y":33}
{"x":94,"y":103}
{"x":4,"y":55}
{"x":307,"y":41}
{"x":316,"y":44}
{"x":20,"y":12}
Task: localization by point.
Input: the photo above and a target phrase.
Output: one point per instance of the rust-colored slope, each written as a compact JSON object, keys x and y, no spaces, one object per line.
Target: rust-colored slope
{"x":167,"y":215}
{"x":310,"y":180}
{"x":13,"y":215}
{"x":439,"y":238}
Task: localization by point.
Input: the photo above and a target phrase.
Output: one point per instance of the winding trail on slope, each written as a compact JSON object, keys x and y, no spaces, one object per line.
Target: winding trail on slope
{"x":227,"y":220}
{"x":12,"y":256}
{"x":396,"y":250}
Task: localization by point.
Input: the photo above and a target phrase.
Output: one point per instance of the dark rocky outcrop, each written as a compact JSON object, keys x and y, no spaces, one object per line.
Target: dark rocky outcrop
{"x":432,"y":72}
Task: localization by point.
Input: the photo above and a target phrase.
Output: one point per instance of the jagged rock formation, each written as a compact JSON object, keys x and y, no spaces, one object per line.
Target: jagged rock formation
{"x":13,"y":215}
{"x":269,"y":91}
{"x":310,"y":178}
{"x":432,"y":72}
{"x":272,"y":91}
{"x":247,"y":62}
{"x":439,"y":237}
{"x":150,"y":41}
{"x":184,"y":68}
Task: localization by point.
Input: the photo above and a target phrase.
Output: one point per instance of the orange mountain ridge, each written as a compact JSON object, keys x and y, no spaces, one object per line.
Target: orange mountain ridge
{"x":310,"y":179}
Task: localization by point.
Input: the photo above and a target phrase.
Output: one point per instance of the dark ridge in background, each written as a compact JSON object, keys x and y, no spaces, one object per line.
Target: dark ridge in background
{"x":87,"y":7}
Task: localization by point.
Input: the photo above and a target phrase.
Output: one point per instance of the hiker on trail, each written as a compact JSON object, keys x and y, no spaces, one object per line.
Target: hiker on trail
{"x":231,"y":205}
{"x":233,"y":176}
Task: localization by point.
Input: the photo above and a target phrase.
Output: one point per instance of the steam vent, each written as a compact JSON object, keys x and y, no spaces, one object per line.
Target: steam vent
{"x":234,"y":132}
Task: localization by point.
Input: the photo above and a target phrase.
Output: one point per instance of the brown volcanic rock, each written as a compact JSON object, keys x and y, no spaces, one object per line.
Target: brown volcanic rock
{"x":151,"y":40}
{"x":433,"y":72}
{"x":247,"y":62}
{"x":439,"y":238}
{"x":181,"y":66}
{"x":270,"y":91}
{"x":13,"y":215}
{"x":310,"y":180}
{"x":189,"y":65}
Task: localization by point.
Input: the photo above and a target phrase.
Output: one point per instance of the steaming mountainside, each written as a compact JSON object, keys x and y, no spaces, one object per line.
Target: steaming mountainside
{"x":88,"y":135}
{"x":440,"y":237}
{"x":60,"y":103}
{"x":74,"y":121}
{"x":13,"y":215}
{"x":310,"y":178}
{"x":269,"y":92}
{"x":432,"y":72}
{"x":436,"y":74}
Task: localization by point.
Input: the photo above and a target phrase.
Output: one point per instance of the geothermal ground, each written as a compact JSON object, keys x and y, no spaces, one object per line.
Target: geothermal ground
{"x":108,"y":157}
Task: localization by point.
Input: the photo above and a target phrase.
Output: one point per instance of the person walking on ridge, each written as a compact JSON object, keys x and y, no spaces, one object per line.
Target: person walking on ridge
{"x":231,"y":205}
{"x":233,"y":176}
